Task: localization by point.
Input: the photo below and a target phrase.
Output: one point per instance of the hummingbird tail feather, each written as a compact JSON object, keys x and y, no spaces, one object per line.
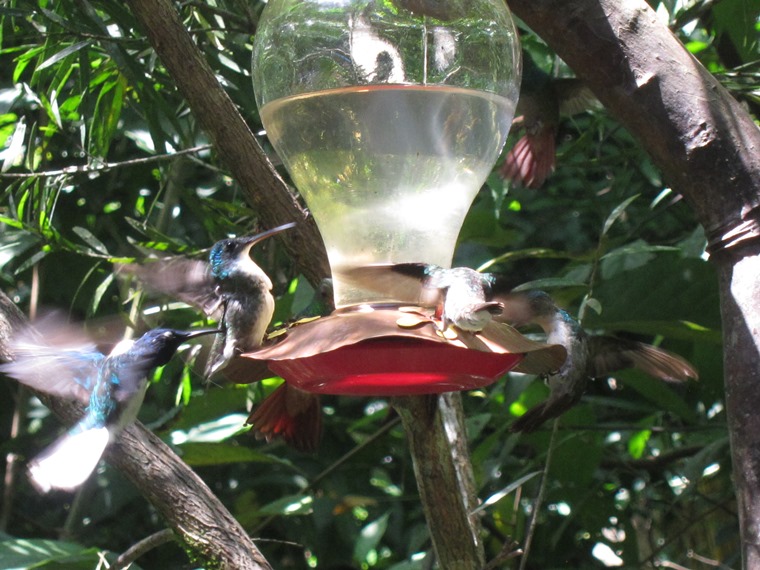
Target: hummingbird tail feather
{"x":68,"y":462}
{"x":293,"y":415}
{"x":530,"y":162}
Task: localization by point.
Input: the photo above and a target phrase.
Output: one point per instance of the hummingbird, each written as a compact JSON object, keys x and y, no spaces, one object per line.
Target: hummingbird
{"x":111,"y":387}
{"x":588,"y":356}
{"x":462,"y":296}
{"x":233,"y":290}
{"x":230,"y":288}
{"x":290,"y":413}
{"x":543,"y":101}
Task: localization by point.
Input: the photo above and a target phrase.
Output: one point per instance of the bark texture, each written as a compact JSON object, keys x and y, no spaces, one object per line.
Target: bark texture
{"x":708,"y":148}
{"x":437,"y":439}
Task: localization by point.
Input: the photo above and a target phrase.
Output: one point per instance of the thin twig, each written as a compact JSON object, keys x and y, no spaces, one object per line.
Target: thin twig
{"x":142,"y":547}
{"x":330,"y":468}
{"x":539,"y":497}
{"x":106,"y":166}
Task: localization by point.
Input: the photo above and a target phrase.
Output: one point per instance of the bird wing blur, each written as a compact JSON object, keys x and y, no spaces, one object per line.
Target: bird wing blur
{"x":403,"y":282}
{"x":185,"y":279}
{"x":47,"y":358}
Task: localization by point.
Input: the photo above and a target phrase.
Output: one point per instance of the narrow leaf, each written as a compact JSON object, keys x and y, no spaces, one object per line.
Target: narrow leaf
{"x":499,"y":495}
{"x":616,"y":213}
{"x":89,"y":238}
{"x":64,"y":53}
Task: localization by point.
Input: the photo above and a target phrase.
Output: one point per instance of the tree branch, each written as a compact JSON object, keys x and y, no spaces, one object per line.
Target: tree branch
{"x":708,"y":149}
{"x":436,"y":434}
{"x":264,"y":189}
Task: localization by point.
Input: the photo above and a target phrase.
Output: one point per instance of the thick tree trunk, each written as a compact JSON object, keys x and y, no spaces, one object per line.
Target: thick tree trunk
{"x":708,"y":148}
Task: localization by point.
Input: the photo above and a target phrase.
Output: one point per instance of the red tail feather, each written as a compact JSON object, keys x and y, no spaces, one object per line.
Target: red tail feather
{"x":293,"y":415}
{"x":530,"y":162}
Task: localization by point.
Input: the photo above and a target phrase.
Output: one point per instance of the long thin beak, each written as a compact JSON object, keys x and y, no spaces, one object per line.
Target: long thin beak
{"x":200,"y":332}
{"x":252,"y":240}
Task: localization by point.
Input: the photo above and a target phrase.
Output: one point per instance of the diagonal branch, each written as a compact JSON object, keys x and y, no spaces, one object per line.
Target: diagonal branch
{"x":200,"y":521}
{"x":264,"y":189}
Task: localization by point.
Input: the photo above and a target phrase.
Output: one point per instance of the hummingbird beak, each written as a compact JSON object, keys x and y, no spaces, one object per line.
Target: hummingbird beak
{"x":201,"y":332}
{"x":253,"y":240}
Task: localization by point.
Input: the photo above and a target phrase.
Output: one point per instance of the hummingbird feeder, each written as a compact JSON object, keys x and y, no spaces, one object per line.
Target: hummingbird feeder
{"x":389,"y":115}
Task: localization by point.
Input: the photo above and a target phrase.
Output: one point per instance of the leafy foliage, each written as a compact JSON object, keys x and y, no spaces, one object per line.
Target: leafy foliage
{"x":96,"y":170}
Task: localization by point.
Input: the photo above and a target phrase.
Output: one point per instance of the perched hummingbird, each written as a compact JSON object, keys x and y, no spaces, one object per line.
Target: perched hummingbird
{"x":230,"y":288}
{"x":543,"y":101}
{"x":462,"y":296}
{"x":112,"y":388}
{"x":290,"y":413}
{"x":588,"y":356}
{"x":233,"y":290}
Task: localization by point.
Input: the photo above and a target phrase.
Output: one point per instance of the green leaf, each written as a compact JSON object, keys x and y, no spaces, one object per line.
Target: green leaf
{"x":89,"y":238}
{"x":23,"y":554}
{"x":369,"y":537}
{"x":549,"y":283}
{"x":106,"y":115}
{"x":659,"y":393}
{"x":499,"y":495}
{"x":63,"y":54}
{"x":198,"y":454}
{"x":14,"y":154}
{"x":290,"y":505}
{"x":616,"y":213}
{"x":637,"y":443}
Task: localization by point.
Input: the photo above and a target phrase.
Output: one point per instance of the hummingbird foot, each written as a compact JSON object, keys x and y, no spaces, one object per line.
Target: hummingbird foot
{"x":293,"y":415}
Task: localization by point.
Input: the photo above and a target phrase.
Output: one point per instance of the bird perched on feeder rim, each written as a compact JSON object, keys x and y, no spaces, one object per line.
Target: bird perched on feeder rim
{"x":233,"y":290}
{"x":588,"y":356}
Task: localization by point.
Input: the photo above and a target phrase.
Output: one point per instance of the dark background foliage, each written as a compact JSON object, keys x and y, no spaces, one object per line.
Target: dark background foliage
{"x":102,"y":161}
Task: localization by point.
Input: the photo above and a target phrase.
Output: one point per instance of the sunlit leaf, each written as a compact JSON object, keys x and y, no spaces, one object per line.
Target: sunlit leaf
{"x":616,"y":213}
{"x":499,"y":495}
{"x":64,"y":53}
{"x":89,"y":238}
{"x":369,"y":538}
{"x":287,"y":506}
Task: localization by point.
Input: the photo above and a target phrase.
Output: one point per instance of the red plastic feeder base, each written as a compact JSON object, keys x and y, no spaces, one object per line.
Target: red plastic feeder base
{"x":394,"y":368}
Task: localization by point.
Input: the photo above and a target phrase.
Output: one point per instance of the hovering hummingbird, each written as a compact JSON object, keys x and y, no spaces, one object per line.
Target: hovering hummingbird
{"x":112,"y":388}
{"x":233,"y":290}
{"x":543,"y":101}
{"x":462,"y":296}
{"x":588,"y":356}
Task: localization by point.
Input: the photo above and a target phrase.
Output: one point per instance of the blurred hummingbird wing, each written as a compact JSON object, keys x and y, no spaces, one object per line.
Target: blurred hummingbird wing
{"x":609,"y":354}
{"x":185,"y":279}
{"x":54,"y":357}
{"x":574,"y":97}
{"x":401,"y":281}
